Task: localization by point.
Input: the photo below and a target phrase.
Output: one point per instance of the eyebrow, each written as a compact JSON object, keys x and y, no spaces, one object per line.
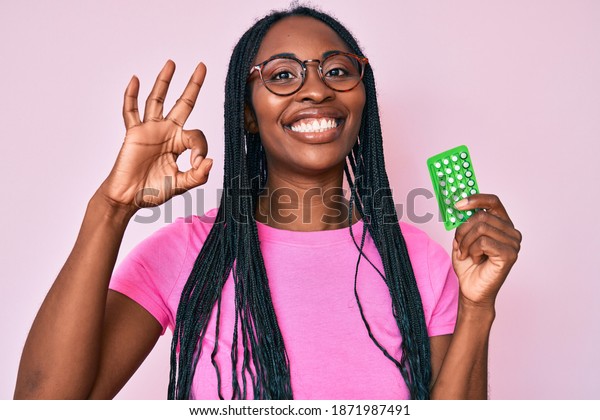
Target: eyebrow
{"x":292,"y":55}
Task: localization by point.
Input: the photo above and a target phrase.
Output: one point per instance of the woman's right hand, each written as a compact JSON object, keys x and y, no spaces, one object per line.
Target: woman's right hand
{"x":145,"y":173}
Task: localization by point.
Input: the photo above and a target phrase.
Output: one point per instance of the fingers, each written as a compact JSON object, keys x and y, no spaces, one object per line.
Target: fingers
{"x":184,"y":105}
{"x":486,"y":247}
{"x":131,"y":114}
{"x":492,"y":227}
{"x":485,"y":226}
{"x":193,"y":140}
{"x":489,"y":202}
{"x":195,"y":176}
{"x":156,"y":99}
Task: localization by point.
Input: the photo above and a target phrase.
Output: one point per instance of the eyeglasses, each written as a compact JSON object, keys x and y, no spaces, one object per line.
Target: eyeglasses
{"x":286,"y":75}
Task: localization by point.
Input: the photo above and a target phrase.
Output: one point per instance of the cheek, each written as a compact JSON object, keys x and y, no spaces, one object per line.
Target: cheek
{"x":267,"y":108}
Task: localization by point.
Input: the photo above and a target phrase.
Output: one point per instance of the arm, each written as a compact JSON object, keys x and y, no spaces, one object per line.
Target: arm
{"x":62,"y":352}
{"x":484,"y":250}
{"x":87,"y":341}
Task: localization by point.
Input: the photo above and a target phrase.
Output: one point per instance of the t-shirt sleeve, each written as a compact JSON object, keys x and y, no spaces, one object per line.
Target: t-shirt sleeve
{"x":150,"y":271}
{"x":444,"y":285}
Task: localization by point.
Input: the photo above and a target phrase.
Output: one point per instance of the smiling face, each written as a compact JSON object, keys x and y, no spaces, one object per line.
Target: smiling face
{"x":311,"y":131}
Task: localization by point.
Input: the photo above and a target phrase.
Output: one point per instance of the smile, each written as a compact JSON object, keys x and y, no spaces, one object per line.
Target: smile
{"x":314,"y":125}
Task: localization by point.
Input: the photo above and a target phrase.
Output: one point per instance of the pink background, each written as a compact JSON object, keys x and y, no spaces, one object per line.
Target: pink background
{"x":517,"y":81}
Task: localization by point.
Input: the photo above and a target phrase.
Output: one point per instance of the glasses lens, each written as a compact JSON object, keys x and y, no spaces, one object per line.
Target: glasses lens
{"x":282,"y":75}
{"x":342,"y":72}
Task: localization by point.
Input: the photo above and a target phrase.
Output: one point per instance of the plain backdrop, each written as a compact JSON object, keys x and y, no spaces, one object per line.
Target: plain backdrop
{"x":517,"y":81}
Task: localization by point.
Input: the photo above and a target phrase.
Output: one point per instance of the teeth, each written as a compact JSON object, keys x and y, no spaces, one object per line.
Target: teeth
{"x":314,"y":125}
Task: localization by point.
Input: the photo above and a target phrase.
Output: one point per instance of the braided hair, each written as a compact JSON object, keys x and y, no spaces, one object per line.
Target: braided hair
{"x":232,"y":247}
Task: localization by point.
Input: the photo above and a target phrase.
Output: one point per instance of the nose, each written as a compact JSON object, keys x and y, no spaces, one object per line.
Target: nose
{"x":314,"y":88}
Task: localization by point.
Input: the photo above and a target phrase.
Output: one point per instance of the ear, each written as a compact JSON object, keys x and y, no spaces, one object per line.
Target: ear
{"x":250,"y":120}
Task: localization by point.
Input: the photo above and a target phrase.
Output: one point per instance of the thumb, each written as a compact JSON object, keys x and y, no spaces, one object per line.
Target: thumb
{"x":195,"y":176}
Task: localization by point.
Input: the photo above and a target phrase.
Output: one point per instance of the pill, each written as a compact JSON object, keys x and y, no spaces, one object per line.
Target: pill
{"x":453,"y":188}
{"x":451,"y":180}
{"x":450,"y":210}
{"x":466,"y":164}
{"x":469,"y":213}
{"x":468,"y":174}
{"x":473,"y":191}
{"x":440,"y":174}
{"x":448,"y":170}
{"x":470,"y":183}
{"x":447,"y":201}
{"x":461,"y":216}
{"x":464,"y":195}
{"x":442,"y":183}
{"x":459,"y":177}
{"x":453,"y":219}
{"x":463,"y":155}
{"x":462,"y":186}
{"x":446,"y":161}
{"x":438,"y":165}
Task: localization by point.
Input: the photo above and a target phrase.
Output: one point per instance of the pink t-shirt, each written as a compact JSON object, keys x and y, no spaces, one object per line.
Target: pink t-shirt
{"x":311,"y":276}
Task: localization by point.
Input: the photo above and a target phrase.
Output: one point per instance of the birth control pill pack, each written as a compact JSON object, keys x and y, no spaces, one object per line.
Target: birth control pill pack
{"x":453,"y":179}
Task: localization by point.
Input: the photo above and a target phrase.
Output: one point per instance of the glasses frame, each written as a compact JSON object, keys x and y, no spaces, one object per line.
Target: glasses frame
{"x":362,"y":60}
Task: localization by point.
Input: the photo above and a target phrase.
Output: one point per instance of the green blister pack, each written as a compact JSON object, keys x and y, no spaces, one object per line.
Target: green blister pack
{"x":453,"y":179}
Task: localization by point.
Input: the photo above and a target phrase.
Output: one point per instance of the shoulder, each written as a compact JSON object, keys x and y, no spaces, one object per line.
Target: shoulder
{"x":420,"y":245}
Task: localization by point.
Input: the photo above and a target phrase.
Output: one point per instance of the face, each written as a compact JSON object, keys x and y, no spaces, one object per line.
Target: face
{"x":285,"y":123}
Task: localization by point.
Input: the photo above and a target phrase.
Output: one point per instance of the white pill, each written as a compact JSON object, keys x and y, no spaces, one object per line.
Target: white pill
{"x":450,"y":210}
{"x":473,"y":191}
{"x":448,"y":170}
{"x":451,"y":180}
{"x":463,"y":155}
{"x":468,"y":174}
{"x":453,"y":188}
{"x":442,"y":183}
{"x":459,"y":177}
{"x":453,"y":219}
{"x":469,"y":213}
{"x":466,"y":164}
{"x":464,"y":195}
{"x":454,"y":158}
{"x":438,"y":165}
{"x":446,"y":161}
{"x":447,"y":201}
{"x":462,"y":186}
{"x":440,"y":174}
{"x":460,"y":216}
{"x":471,"y":183}
{"x":456,"y":168}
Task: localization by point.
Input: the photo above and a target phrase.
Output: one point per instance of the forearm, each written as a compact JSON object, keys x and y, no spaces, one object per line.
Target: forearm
{"x":61,"y":354}
{"x":463,"y":374}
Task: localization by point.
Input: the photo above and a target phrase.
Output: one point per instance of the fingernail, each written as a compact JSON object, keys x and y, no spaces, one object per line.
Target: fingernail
{"x":197,"y":161}
{"x":462,"y":203}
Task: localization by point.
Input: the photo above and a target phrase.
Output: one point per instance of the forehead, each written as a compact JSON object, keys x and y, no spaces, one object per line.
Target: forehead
{"x":306,"y":37}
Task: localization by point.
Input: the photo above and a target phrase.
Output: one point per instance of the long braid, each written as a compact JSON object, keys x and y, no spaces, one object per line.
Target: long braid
{"x":232,"y":246}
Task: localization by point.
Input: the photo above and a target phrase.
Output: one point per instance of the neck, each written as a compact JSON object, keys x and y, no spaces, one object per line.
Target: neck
{"x":304,"y":205}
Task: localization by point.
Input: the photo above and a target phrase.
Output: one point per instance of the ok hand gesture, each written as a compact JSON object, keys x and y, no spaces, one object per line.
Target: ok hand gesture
{"x":152,"y":145}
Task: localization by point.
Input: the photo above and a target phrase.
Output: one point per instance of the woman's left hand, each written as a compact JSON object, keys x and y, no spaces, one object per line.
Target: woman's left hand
{"x":484,"y":249}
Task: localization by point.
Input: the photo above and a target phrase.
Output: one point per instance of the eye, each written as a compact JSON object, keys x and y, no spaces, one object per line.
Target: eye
{"x":282,"y":75}
{"x":281,"y":71}
{"x":336,"y":72}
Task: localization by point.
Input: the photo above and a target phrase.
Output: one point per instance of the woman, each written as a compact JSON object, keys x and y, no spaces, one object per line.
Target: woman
{"x":284,"y":293}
